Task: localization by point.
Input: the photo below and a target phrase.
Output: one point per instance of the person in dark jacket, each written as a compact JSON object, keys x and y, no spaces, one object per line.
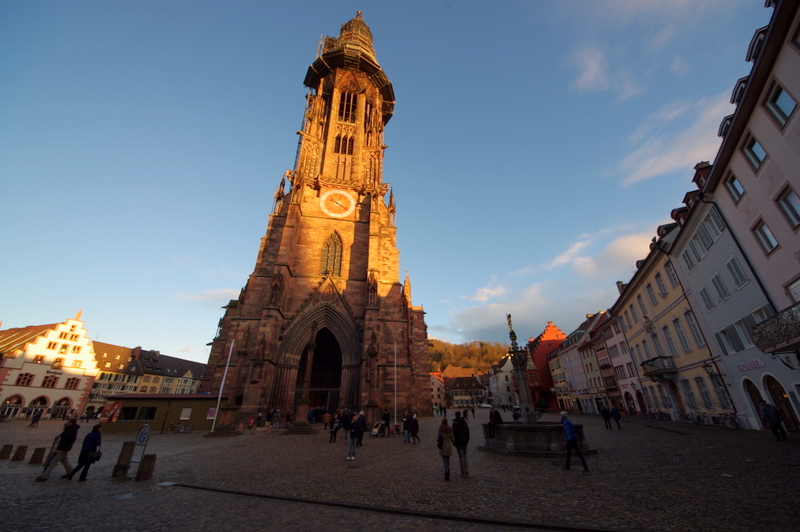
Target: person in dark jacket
{"x":573,"y":442}
{"x":414,"y":429}
{"x":91,"y":443}
{"x":355,"y":433}
{"x":773,"y":418}
{"x":407,"y":417}
{"x":362,"y":421}
{"x":494,"y":420}
{"x":461,"y":440}
{"x":606,"y":413}
{"x":65,"y":441}
{"x":335,"y":426}
{"x":386,"y":419}
{"x":616,"y":417}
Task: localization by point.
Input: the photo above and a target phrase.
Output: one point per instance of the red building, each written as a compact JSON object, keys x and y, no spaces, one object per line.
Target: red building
{"x":541,"y":346}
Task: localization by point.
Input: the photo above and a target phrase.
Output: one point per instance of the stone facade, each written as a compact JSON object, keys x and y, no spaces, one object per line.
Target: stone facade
{"x":324,"y":320}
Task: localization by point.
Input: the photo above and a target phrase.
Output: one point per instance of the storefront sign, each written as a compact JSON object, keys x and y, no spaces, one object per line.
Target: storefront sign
{"x":753,"y":364}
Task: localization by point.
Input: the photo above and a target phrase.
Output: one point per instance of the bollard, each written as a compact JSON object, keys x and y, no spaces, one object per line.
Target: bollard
{"x":241,"y":427}
{"x":268,"y":430}
{"x":124,"y":460}
{"x":5,"y":452}
{"x":19,"y":454}
{"x":146,"y":468}
{"x":38,"y":456}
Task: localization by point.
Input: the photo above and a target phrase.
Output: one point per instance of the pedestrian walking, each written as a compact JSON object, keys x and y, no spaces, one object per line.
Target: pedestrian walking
{"x":466,"y":413}
{"x":386,"y":419}
{"x":445,"y":444}
{"x":335,"y":426}
{"x":355,"y":433}
{"x":606,"y":413}
{"x":494,"y":419}
{"x":288,"y":419}
{"x":414,"y":430}
{"x":461,"y":440}
{"x":35,"y":419}
{"x":91,"y":444}
{"x":258,"y":420}
{"x":362,"y":422}
{"x":615,"y":415}
{"x":65,"y":441}
{"x":443,"y":410}
{"x":326,"y":419}
{"x":407,"y":417}
{"x":276,"y":420}
{"x":773,"y":418}
{"x":573,"y":442}
{"x":472,"y":411}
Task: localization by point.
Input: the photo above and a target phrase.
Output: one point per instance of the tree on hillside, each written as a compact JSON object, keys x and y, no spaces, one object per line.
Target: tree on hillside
{"x":478,"y":355}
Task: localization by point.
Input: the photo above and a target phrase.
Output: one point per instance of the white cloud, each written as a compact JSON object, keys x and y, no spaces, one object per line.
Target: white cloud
{"x":590,"y":62}
{"x":664,"y":153}
{"x":596,"y":75}
{"x":571,"y":254}
{"x":488,"y":292}
{"x":209,"y":297}
{"x":578,"y":281}
{"x":680,"y":66}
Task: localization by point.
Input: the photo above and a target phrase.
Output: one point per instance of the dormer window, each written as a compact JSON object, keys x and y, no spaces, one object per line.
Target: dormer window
{"x":725,"y":126}
{"x":738,"y":90}
{"x":756,"y":44}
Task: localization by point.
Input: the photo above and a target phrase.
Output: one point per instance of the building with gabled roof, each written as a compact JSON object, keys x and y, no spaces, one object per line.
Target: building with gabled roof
{"x":46,"y":369}
{"x":541,"y":346}
{"x":136,"y":370}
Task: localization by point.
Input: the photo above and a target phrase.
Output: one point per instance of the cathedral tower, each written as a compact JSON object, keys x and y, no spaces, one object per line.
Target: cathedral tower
{"x":324,"y":320}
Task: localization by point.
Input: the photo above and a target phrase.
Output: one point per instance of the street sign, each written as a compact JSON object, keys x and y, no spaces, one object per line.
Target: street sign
{"x":141,"y":439}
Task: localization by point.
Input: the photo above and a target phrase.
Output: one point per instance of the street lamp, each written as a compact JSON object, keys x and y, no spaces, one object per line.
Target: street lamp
{"x":716,"y":377}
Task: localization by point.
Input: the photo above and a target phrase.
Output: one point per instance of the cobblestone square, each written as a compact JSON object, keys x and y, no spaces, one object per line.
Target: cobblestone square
{"x":651,"y":475}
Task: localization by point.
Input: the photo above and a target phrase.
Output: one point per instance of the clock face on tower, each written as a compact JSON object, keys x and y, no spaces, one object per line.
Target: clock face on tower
{"x":337,"y":203}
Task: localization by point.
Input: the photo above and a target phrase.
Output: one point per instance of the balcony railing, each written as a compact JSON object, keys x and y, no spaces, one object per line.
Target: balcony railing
{"x":658,"y":366}
{"x":781,"y":332}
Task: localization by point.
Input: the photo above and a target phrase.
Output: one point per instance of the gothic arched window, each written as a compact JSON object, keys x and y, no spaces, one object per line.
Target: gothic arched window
{"x":331,"y":260}
{"x":348,"y":103}
{"x":343,"y":145}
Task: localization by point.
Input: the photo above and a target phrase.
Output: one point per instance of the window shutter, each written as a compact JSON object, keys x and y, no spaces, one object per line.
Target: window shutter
{"x":721,"y":343}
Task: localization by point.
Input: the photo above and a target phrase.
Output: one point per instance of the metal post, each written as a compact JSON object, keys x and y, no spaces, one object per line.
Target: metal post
{"x":222,"y":385}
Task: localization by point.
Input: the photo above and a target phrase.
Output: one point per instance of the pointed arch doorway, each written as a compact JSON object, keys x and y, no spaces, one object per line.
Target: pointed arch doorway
{"x":326,"y":372}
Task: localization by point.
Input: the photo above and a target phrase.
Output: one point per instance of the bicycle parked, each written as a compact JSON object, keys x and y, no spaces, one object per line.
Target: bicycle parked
{"x":729,"y":421}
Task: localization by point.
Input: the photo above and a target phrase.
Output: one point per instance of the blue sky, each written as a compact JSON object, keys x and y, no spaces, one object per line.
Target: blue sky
{"x":535,"y":148}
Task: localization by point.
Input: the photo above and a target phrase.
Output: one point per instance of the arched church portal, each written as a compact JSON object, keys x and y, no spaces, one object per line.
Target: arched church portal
{"x":326,"y":372}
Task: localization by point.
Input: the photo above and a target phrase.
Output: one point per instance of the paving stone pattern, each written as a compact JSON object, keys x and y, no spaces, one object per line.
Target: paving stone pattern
{"x":651,"y":475}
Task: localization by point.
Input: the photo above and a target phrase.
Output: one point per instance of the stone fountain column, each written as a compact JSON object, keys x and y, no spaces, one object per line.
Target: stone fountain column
{"x":519,"y":359}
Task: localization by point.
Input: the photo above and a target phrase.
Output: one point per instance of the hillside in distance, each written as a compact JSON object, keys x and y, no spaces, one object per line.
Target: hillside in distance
{"x":475,"y":354}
